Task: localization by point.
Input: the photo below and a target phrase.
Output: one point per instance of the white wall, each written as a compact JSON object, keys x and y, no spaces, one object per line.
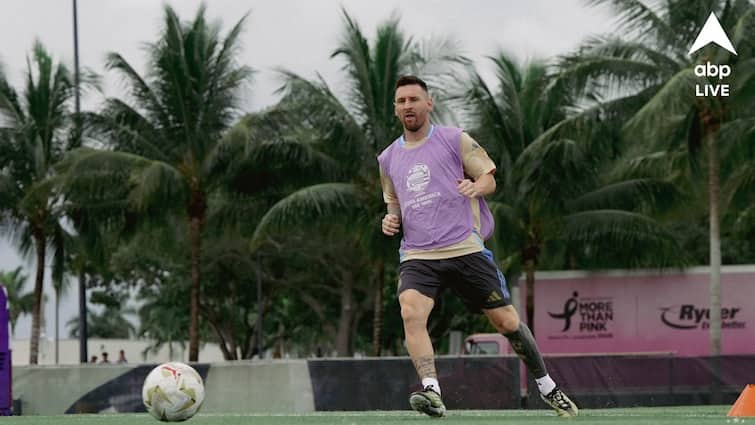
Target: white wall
{"x":69,"y":351}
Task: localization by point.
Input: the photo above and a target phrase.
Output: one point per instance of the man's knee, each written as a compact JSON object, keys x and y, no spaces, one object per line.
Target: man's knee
{"x":504,"y":319}
{"x":415,"y":308}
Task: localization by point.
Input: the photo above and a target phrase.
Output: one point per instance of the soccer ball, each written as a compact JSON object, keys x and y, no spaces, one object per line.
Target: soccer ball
{"x":173,"y":392}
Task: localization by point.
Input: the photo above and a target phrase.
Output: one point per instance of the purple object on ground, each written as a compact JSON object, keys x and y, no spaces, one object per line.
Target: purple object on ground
{"x":5,"y":368}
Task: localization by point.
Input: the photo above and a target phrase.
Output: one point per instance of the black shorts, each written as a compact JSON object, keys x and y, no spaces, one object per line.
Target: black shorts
{"x":473,"y":277}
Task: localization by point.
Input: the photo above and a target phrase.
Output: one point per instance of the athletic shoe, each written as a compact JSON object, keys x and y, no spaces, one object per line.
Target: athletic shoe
{"x":428,"y":402}
{"x":560,"y":403}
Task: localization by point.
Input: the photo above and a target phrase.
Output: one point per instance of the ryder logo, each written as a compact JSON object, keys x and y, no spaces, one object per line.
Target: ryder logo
{"x":689,"y":316}
{"x":712,"y":32}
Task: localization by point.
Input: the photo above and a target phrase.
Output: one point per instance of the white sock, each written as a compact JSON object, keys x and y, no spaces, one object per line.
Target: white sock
{"x":545,"y":384}
{"x":432,"y":383}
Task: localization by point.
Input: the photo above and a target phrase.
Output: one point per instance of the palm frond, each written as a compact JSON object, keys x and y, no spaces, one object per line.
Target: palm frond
{"x":11,"y":110}
{"x":105,"y":179}
{"x":158,"y":185}
{"x":508,"y":226}
{"x":586,"y":74}
{"x":609,"y":231}
{"x":671,"y":103}
{"x":594,"y":125}
{"x":327,"y":123}
{"x":313,"y":205}
{"x":743,"y":30}
{"x":139,"y":89}
{"x":356,"y":50}
{"x":735,"y":138}
{"x":740,"y":184}
{"x":125,"y":129}
{"x":634,"y":50}
{"x":440,"y":60}
{"x":668,"y":165}
{"x":639,"y":19}
{"x":541,"y":171}
{"x":629,"y":195}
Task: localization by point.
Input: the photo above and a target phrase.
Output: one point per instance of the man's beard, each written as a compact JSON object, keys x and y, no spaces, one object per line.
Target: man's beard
{"x":414,"y":126}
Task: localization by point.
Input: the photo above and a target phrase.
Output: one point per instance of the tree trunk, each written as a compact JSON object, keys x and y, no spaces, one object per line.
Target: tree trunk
{"x":57,"y":318}
{"x":377,"y":321}
{"x":714,"y":189}
{"x":715,"y":246}
{"x":83,"y":332}
{"x":217,"y":325}
{"x":233,"y":346}
{"x":39,"y":240}
{"x":196,"y":240}
{"x":260,"y":309}
{"x":343,"y":337}
{"x":250,"y":343}
{"x":530,"y":307}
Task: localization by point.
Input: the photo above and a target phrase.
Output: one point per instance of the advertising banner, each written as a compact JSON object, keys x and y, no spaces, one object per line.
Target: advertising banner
{"x":643,"y":312}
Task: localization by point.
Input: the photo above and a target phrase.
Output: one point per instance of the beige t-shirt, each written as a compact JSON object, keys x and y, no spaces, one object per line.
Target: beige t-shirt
{"x":476,"y":162}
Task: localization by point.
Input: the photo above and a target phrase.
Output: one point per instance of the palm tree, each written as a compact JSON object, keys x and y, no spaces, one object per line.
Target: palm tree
{"x":167,"y":138}
{"x":652,"y":62}
{"x":111,"y":322}
{"x":34,"y":130}
{"x":556,"y":205}
{"x":19,"y":302}
{"x":163,"y":323}
{"x":60,"y":285}
{"x":349,"y":134}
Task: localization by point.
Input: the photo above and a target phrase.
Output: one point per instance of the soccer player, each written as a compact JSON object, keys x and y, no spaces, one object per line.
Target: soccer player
{"x":434,"y":180}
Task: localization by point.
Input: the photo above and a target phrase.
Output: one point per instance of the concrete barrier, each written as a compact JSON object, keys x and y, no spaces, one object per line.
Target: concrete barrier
{"x":273,"y":386}
{"x":234,"y":387}
{"x":50,"y":390}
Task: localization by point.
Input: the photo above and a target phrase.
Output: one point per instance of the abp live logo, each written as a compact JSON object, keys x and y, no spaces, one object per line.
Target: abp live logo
{"x":712,"y":32}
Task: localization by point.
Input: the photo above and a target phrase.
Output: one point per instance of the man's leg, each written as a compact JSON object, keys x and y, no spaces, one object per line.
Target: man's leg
{"x":506,"y":321}
{"x":415,"y":310}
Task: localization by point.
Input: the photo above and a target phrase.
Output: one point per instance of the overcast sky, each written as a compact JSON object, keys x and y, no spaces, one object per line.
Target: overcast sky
{"x":295,"y":34}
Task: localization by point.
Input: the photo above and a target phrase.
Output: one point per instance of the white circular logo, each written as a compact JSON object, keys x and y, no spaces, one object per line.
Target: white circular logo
{"x":418,"y":178}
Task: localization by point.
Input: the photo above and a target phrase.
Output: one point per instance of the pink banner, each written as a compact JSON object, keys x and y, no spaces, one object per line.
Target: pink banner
{"x":613,"y":313}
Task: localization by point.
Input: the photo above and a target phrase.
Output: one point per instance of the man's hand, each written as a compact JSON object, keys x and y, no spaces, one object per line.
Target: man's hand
{"x":467,"y":188}
{"x":483,"y":185}
{"x":391,"y":224}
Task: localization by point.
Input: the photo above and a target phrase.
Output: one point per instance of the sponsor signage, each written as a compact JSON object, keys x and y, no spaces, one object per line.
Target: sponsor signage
{"x":643,"y":312}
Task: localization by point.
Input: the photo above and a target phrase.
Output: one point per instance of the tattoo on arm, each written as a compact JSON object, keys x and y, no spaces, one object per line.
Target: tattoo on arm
{"x":425,"y":366}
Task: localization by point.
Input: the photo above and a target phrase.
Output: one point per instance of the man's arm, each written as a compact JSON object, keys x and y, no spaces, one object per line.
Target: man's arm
{"x":392,"y":221}
{"x":394,"y":209}
{"x":477,"y":164}
{"x":484,"y":185}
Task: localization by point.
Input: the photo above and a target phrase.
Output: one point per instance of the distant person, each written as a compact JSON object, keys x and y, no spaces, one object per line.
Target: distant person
{"x":104,"y":357}
{"x":93,"y":359}
{"x":122,"y":357}
{"x":434,"y":182}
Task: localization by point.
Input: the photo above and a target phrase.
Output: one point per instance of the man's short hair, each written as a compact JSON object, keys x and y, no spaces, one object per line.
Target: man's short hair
{"x":408,"y":80}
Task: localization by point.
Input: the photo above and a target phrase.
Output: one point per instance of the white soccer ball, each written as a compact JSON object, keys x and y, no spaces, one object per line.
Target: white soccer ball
{"x":173,"y":392}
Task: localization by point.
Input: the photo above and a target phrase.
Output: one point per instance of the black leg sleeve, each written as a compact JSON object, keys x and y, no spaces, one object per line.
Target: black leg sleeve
{"x":524,"y":345}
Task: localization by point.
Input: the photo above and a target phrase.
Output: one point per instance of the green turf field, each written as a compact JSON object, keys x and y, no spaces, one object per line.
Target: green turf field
{"x":658,"y":415}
